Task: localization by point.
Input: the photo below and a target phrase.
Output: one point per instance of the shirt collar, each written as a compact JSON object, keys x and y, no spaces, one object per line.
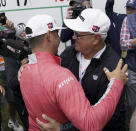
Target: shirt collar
{"x":97,"y":55}
{"x":43,"y":55}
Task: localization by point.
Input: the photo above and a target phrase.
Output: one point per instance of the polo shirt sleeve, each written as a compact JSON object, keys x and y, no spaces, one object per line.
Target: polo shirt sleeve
{"x":72,"y":101}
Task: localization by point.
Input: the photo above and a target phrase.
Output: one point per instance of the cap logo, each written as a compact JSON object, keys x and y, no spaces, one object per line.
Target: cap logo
{"x":82,"y":18}
{"x":95,"y":28}
{"x":50,"y":25}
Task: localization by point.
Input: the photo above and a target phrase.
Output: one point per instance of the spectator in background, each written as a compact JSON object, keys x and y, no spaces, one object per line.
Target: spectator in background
{"x":12,"y":123}
{"x":12,"y":67}
{"x":116,"y":19}
{"x":66,"y":34}
{"x":128,"y":43}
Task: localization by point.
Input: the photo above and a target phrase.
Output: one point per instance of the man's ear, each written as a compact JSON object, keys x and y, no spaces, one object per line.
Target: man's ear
{"x":97,"y":39}
{"x":48,"y":35}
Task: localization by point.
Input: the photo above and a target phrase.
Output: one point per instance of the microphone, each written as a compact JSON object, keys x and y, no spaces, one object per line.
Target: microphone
{"x":16,"y":44}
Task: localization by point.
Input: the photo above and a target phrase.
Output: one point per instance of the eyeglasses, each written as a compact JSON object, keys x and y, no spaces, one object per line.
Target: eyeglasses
{"x":78,"y":35}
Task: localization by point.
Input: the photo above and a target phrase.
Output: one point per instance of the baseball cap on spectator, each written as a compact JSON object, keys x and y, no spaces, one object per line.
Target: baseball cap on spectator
{"x":79,"y":1}
{"x":90,"y":20}
{"x":131,"y":3}
{"x":72,"y":2}
{"x":19,"y":29}
{"x":40,"y":24}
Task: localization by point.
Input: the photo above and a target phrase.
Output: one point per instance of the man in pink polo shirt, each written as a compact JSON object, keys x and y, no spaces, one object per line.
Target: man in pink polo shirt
{"x":51,"y":89}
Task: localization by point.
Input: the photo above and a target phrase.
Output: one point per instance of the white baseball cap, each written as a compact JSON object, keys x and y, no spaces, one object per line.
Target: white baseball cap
{"x":20,"y":28}
{"x":40,"y":24}
{"x":90,"y":20}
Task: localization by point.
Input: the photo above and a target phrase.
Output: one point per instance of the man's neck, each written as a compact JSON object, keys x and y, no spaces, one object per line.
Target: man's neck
{"x":93,"y":52}
{"x":42,"y":49}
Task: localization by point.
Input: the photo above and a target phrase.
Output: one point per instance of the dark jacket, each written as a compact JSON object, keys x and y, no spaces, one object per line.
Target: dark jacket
{"x":95,"y":81}
{"x":131,"y":53}
{"x":115,"y":28}
{"x":12,"y":67}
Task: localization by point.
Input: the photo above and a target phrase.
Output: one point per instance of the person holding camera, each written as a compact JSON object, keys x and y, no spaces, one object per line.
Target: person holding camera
{"x":128,"y":43}
{"x":76,"y":6}
{"x":12,"y":67}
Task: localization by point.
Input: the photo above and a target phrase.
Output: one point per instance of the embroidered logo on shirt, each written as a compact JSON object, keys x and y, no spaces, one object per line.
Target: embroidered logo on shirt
{"x":65,"y":82}
{"x":95,"y":77}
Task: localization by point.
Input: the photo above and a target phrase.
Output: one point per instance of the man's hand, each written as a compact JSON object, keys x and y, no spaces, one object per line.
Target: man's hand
{"x":69,"y":13}
{"x":9,"y":24}
{"x":24,"y":63}
{"x":2,"y":90}
{"x":53,"y":125}
{"x":120,"y":72}
{"x":133,"y":42}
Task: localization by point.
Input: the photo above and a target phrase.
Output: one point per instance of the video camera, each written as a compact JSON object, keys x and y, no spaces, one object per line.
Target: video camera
{"x":9,"y":46}
{"x":77,"y":10}
{"x":15,"y":48}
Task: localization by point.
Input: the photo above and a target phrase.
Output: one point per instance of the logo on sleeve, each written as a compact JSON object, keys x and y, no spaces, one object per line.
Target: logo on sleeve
{"x":65,"y":82}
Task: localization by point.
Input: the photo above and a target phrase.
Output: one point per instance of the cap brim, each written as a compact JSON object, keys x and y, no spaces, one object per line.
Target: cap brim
{"x":130,"y":5}
{"x":58,"y":28}
{"x":76,"y":25}
{"x":55,"y":28}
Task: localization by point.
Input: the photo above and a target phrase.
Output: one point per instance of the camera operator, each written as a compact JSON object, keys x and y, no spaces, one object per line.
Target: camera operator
{"x":7,"y":31}
{"x":76,"y":6}
{"x":12,"y":68}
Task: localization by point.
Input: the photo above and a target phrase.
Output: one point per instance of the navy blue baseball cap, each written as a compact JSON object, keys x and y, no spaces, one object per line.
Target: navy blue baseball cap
{"x":131,"y":3}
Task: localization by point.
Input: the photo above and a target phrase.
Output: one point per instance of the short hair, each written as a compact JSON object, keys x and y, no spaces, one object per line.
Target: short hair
{"x":38,"y":40}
